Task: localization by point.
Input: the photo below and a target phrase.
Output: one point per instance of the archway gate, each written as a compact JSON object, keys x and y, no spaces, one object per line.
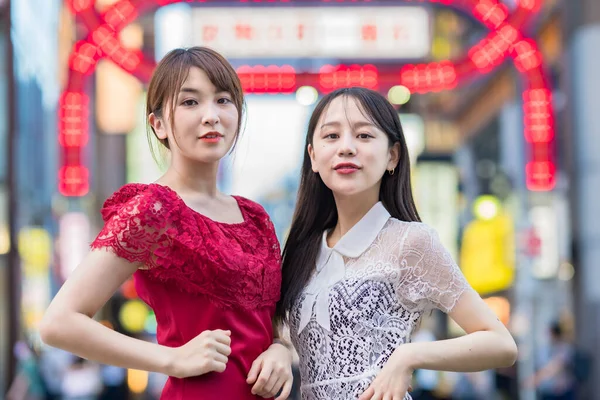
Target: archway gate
{"x":504,"y":40}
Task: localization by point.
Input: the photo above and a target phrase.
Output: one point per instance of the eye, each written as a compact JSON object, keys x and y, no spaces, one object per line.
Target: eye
{"x":189,"y":102}
{"x":331,"y":136}
{"x":224,"y":100}
{"x":364,"y":136}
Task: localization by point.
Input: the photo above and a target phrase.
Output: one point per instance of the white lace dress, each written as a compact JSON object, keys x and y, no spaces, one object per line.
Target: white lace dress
{"x":365,"y":300}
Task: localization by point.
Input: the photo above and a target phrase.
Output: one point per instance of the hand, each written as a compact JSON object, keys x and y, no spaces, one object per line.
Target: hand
{"x":271,"y":372}
{"x":392,"y":382}
{"x":205,"y":353}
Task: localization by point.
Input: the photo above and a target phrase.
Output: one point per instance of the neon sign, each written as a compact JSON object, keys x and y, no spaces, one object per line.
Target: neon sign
{"x":504,"y":40}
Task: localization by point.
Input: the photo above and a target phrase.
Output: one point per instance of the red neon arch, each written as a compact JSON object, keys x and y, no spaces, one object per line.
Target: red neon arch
{"x":505,"y":39}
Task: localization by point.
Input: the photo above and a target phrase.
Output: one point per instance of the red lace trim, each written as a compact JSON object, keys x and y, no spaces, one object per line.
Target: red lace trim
{"x":234,"y":264}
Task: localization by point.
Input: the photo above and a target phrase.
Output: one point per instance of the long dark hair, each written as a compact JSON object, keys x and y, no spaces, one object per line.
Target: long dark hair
{"x":315,"y":208}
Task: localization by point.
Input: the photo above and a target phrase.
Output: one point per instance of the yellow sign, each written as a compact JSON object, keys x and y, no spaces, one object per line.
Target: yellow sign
{"x":35,"y":249}
{"x":488,"y":255}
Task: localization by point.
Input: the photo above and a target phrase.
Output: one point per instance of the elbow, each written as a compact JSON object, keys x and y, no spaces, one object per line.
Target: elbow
{"x":510,"y":352}
{"x":51,"y":328}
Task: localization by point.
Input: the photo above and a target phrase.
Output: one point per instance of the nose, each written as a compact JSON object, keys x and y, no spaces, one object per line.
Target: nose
{"x":347,"y":145}
{"x":211,"y":115}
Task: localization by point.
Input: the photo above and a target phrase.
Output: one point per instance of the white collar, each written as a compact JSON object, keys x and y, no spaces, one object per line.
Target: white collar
{"x":330,"y":264}
{"x":358,"y":239}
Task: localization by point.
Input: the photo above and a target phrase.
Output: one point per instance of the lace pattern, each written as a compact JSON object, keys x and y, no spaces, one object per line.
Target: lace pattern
{"x":405,"y":272}
{"x":235,"y":265}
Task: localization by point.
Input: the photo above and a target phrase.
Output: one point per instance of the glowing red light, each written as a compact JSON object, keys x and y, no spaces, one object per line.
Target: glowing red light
{"x":73,"y":180}
{"x":339,"y":76}
{"x":121,"y":14}
{"x":433,"y":77}
{"x":527,"y":55}
{"x":73,"y":120}
{"x":80,"y":5}
{"x":540,"y":175}
{"x":537,"y":108}
{"x":530,"y":5}
{"x":84,"y":58}
{"x":105,"y":38}
{"x":491,"y":13}
{"x":267,"y":79}
{"x":491,"y":51}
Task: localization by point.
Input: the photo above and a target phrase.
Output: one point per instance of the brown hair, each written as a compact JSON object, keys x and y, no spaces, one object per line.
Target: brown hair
{"x":315,"y":207}
{"x":172,"y":71}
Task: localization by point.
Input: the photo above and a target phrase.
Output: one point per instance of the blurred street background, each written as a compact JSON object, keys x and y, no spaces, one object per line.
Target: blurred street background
{"x":499,"y":104}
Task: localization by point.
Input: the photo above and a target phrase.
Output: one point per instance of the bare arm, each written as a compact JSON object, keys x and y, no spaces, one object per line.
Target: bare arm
{"x":68,"y":322}
{"x":487,"y":344}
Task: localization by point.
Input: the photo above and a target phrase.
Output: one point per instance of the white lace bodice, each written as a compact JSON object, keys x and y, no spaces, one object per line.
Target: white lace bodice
{"x":372,"y":308}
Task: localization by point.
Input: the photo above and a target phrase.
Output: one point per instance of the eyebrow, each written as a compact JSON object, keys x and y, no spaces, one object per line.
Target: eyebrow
{"x":357,"y":125}
{"x":189,"y":90}
{"x":198,"y":92}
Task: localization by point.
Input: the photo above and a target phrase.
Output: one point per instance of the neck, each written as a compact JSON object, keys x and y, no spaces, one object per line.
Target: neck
{"x":351,"y":209}
{"x":197,"y":178}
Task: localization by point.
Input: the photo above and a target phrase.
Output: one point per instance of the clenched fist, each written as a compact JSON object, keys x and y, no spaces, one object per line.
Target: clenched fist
{"x":207,"y":352}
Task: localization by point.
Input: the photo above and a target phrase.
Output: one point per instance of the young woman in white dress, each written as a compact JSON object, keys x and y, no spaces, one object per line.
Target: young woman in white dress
{"x":360,"y":269}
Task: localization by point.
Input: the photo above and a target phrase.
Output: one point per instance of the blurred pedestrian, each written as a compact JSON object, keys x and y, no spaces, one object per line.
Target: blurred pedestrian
{"x":555,"y":380}
{"x":82,"y":381}
{"x":28,"y":383}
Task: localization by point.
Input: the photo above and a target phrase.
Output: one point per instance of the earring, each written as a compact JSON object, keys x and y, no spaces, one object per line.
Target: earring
{"x":392,"y":171}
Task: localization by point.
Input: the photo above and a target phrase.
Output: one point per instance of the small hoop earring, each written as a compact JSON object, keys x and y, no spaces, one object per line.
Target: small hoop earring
{"x":392,"y":171}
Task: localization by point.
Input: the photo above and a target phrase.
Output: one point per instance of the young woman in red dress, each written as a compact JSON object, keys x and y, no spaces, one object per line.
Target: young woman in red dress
{"x":208,"y":264}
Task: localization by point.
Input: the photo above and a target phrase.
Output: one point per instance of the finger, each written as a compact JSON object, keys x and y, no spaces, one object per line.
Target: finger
{"x":367,"y":394}
{"x":287,"y":389}
{"x":218,"y":366}
{"x":377,"y":396}
{"x":263,"y":378}
{"x":254,"y":371}
{"x":223,"y":338}
{"x":219,"y":332}
{"x":275,"y":383}
{"x":223,"y":349}
{"x":220,"y":358}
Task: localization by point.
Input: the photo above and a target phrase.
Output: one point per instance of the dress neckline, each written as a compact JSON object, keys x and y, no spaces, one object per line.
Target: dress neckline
{"x":180,"y":199}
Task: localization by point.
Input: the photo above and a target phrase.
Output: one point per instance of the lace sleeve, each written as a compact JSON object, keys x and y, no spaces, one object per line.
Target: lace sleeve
{"x":135,"y":230}
{"x":434,"y":280}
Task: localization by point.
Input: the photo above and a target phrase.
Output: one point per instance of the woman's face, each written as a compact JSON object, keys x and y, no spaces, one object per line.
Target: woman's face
{"x":348,"y":151}
{"x":205,"y":121}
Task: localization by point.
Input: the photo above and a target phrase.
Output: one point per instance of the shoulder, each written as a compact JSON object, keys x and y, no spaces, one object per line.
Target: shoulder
{"x":138,"y":198}
{"x":252,"y":209}
{"x":409,"y":236}
{"x":249,"y":205}
{"x":420,"y":232}
{"x":412,"y":230}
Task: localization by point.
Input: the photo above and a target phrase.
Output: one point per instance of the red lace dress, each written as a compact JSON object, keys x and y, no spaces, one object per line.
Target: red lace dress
{"x":199,"y":274}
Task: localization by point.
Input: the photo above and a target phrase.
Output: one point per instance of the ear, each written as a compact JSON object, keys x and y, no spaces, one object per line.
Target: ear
{"x":158,"y":125}
{"x":394,"y":156}
{"x":311,"y":153}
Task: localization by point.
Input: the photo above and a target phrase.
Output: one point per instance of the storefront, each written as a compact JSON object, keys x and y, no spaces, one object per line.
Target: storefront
{"x":5,"y":80}
{"x":32,"y":76}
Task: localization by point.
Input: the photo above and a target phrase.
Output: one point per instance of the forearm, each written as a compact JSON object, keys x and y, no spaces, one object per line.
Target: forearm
{"x":87,"y":338}
{"x":473,"y":352}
